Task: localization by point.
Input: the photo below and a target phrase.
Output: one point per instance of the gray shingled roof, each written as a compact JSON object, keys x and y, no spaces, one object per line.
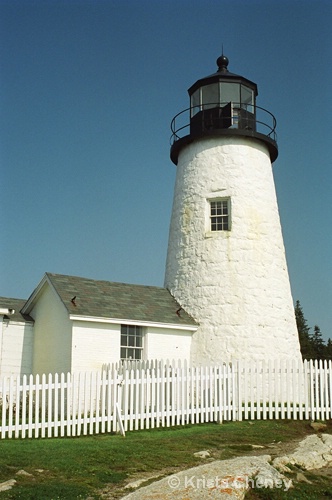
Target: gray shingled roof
{"x":17,"y":305}
{"x":106,"y":299}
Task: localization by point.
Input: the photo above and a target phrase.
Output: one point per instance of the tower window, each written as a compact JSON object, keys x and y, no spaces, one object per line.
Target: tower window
{"x":220,"y":215}
{"x":131,"y":342}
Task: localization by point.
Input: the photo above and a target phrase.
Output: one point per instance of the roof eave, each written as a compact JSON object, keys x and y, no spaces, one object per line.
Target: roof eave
{"x":26,"y":309}
{"x":95,"y":319}
{"x":28,"y":306}
{"x":220,"y":77}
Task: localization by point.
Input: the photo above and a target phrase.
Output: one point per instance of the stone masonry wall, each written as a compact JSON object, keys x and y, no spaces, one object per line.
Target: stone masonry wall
{"x":234,"y":283}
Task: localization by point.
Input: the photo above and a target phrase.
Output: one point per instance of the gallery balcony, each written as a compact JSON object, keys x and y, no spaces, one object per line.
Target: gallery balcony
{"x":227,"y":119}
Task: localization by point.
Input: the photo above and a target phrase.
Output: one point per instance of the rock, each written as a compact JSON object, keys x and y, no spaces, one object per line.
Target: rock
{"x":23,"y":473}
{"x":269,"y":477}
{"x":257,"y":446}
{"x":302,"y":479}
{"x":327,"y":439}
{"x":313,"y":452}
{"x":280,"y":463}
{"x":202,"y":454}
{"x":318,"y":426}
{"x":219,"y":480}
{"x":7,"y":485}
{"x":135,"y":484}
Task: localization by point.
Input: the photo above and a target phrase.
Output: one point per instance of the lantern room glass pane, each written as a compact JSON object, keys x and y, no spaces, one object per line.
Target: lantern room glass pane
{"x":229,"y":92}
{"x":195,"y":102}
{"x":210,"y":96}
{"x":247,"y":95}
{"x":247,"y":98}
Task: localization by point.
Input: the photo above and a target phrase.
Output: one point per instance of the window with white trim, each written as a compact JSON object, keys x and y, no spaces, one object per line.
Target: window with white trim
{"x":220,"y":215}
{"x":131,"y":342}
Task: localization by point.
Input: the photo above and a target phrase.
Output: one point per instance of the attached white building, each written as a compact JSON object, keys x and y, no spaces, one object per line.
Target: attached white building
{"x":72,"y":324}
{"x":16,"y":338}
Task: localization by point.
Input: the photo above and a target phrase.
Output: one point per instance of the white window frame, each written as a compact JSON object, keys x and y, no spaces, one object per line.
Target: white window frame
{"x":133,"y":347}
{"x":213,"y":224}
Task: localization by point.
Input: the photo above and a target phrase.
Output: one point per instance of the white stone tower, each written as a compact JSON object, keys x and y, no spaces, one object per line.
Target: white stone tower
{"x":226,"y":261}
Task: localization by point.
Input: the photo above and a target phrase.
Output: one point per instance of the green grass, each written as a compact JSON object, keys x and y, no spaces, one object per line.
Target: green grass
{"x":73,"y":468}
{"x":320,"y":489}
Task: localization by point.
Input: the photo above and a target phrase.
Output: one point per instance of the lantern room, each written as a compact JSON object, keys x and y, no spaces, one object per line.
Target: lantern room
{"x":223,"y":104}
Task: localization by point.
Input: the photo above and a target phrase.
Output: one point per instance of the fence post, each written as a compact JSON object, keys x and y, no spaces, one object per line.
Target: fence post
{"x":239,"y":389}
{"x":119,"y":421}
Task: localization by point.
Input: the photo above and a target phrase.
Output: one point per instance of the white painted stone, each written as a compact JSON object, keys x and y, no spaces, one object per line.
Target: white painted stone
{"x":234,"y":283}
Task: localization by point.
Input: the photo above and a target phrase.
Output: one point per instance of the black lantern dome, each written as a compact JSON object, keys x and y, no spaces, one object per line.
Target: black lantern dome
{"x":223,"y":104}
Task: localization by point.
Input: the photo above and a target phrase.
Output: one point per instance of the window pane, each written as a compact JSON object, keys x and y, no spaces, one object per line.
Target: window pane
{"x":214,"y":224}
{"x":219,"y":215}
{"x":130,"y":353}
{"x":138,"y":353}
{"x":131,"y":340}
{"x":247,"y":95}
{"x":131,"y":330}
{"x":123,"y":353}
{"x":230,"y":92}
{"x":195,"y":102}
{"x":210,"y":96}
{"x":124,"y":340}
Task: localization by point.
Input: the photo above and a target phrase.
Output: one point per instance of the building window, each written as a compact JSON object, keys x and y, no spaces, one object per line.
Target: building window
{"x":131,"y":342}
{"x":220,"y":215}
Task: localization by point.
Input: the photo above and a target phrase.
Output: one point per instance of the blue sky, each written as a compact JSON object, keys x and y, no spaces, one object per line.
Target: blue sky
{"x":87,"y":93}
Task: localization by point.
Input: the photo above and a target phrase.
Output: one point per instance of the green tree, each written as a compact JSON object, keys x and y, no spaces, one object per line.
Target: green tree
{"x":306,"y":345}
{"x":318,"y":343}
{"x":328,"y":349}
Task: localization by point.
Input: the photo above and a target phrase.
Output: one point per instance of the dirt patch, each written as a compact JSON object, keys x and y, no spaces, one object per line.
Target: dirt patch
{"x":324,"y":471}
{"x":115,"y":491}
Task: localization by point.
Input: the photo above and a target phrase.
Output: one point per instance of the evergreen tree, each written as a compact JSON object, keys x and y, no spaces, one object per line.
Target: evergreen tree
{"x":306,"y":345}
{"x":312,"y":346}
{"x":318,"y":343}
{"x":328,"y":349}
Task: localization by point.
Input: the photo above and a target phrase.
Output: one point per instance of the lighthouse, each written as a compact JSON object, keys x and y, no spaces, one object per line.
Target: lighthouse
{"x":226,"y":262}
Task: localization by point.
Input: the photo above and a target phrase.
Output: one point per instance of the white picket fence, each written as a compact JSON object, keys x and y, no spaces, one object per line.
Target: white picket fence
{"x":142,"y":395}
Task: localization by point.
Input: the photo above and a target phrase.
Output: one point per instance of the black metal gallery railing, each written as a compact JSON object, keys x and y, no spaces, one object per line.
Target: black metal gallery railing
{"x":210,"y":117}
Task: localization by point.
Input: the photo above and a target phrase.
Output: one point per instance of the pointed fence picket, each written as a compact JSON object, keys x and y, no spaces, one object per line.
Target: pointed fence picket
{"x":134,"y":395}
